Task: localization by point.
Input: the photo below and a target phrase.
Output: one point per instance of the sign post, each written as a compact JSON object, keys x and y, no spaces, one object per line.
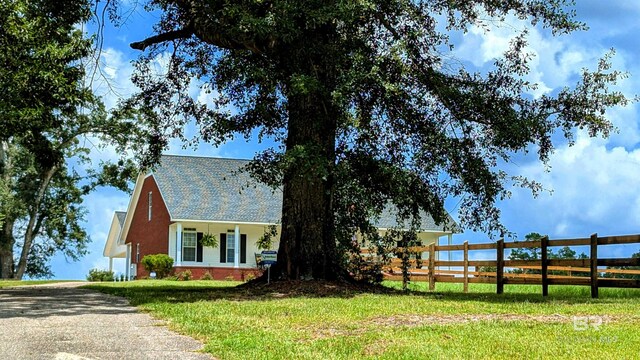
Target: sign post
{"x":269,"y":257}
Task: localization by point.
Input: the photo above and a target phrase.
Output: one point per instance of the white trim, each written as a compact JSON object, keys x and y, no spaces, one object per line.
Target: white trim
{"x":224,"y":222}
{"x":179,"y":244}
{"x":236,"y":250}
{"x":132,"y":205}
{"x":128,"y":268}
{"x":218,"y":265}
{"x":113,"y":247}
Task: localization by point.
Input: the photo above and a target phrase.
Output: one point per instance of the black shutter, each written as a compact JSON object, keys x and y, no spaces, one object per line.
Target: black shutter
{"x":223,"y":248}
{"x":243,"y":248}
{"x":199,"y":248}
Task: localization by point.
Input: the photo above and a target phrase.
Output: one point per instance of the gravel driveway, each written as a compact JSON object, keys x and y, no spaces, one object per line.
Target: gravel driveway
{"x":61,"y":321}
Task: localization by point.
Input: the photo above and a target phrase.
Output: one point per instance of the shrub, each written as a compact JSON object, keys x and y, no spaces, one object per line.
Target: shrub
{"x":185,"y":275}
{"x":100,"y":275}
{"x":249,"y":277}
{"x":206,"y":276}
{"x":160,"y":263}
{"x":230,"y":278}
{"x":121,"y":277}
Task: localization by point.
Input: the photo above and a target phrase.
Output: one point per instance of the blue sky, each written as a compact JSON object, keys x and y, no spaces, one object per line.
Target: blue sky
{"x":593,"y":185}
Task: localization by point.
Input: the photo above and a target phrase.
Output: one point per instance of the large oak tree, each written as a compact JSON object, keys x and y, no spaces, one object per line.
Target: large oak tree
{"x":369,"y":105}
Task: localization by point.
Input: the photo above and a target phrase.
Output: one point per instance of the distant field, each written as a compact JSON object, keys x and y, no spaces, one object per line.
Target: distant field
{"x":7,"y":283}
{"x":242,"y":324}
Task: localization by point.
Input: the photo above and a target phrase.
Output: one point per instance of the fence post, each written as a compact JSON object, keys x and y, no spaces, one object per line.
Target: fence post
{"x":432,"y":263}
{"x":544,"y":243}
{"x":500,"y":266}
{"x":594,"y":266}
{"x":466,"y":266}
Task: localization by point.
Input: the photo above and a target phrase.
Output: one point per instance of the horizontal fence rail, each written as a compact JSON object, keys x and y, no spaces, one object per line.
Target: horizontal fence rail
{"x":426,"y":269}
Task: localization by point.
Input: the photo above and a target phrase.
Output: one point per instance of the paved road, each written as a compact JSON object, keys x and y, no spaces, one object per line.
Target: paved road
{"x":60,"y":321}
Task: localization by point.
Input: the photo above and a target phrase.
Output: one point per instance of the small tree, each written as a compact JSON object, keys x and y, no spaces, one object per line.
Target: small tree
{"x":265,"y":242}
{"x":161,"y":264}
{"x":625,"y":276}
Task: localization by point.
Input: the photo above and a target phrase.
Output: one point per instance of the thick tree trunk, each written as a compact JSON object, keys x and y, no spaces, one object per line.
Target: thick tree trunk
{"x":307,"y":242}
{"x":6,"y":250}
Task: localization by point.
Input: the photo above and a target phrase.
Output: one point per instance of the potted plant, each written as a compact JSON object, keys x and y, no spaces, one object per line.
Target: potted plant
{"x":210,"y":240}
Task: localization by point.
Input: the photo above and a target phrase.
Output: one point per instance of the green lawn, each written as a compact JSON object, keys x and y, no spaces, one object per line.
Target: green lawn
{"x":8,"y":283}
{"x":241,"y":324}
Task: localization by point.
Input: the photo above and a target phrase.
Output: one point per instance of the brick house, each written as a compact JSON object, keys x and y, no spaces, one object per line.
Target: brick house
{"x":185,"y":197}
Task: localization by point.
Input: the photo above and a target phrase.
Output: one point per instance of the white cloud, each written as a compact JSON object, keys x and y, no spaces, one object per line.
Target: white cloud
{"x":593,"y":188}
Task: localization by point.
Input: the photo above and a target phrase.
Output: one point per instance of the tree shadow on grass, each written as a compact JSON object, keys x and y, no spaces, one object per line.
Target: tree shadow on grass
{"x":181,"y":293}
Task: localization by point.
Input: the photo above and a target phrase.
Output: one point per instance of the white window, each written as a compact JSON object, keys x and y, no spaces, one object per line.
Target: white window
{"x":231,"y":246}
{"x":189,"y":244}
{"x":149,"y":201}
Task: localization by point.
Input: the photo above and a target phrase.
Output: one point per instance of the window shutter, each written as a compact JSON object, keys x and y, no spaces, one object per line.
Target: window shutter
{"x":243,"y":248}
{"x":199,"y":248}
{"x":223,"y":248}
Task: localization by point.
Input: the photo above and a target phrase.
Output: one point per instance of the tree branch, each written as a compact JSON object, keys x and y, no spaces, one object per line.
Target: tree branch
{"x":168,"y":36}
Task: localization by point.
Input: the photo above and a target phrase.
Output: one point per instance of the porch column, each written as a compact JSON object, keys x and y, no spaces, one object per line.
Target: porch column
{"x":127,"y":269}
{"x":178,"y":261}
{"x":236,"y":250}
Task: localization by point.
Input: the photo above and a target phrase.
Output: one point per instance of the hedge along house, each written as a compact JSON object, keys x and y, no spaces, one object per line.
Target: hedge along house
{"x":185,"y":197}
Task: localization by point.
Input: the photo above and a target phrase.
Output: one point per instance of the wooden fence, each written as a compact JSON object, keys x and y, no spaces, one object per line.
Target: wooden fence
{"x":433,"y":274}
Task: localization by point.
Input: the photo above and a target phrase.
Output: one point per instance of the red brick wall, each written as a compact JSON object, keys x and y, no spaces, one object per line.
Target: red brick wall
{"x":153,"y":236}
{"x":218,"y":273}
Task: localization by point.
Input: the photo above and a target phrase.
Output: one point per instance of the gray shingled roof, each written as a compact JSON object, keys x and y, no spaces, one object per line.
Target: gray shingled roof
{"x":121,"y":216}
{"x":214,"y":189}
{"x":205,"y":188}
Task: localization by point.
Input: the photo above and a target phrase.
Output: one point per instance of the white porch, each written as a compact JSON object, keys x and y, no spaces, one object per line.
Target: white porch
{"x":230,"y":252}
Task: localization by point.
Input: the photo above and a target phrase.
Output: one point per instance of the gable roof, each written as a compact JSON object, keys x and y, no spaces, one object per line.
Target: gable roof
{"x":114,"y":245}
{"x":121,"y":216}
{"x":216,"y":189}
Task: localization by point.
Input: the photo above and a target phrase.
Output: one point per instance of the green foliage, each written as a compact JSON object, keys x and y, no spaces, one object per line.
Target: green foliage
{"x":185,"y":275}
{"x":370,"y":106}
{"x":50,"y":116}
{"x":265,"y":241}
{"x":162,"y":264}
{"x":209,"y":240}
{"x":206,"y":276}
{"x":534,"y":254}
{"x":624,"y":276}
{"x":100,"y":275}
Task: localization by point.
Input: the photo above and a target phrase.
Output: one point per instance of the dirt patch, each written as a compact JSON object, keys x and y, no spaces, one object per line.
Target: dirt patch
{"x":413,"y":320}
{"x":419,"y":320}
{"x":311,"y":288}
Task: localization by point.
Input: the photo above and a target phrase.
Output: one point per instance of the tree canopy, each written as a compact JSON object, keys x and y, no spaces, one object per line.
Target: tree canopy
{"x":49,"y":117}
{"x":369,"y":106}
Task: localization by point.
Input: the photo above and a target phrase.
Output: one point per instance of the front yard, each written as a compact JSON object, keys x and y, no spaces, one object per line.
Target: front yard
{"x":345,"y":324}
